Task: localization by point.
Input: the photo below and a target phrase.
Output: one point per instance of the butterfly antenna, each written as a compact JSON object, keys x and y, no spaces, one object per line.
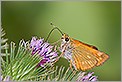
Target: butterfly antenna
{"x":54,"y":27}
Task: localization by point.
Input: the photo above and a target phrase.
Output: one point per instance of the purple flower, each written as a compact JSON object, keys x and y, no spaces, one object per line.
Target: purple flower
{"x":44,"y":49}
{"x":88,"y":77}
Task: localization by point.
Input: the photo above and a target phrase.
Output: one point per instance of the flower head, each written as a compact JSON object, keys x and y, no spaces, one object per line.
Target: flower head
{"x":88,"y":77}
{"x":44,"y":49}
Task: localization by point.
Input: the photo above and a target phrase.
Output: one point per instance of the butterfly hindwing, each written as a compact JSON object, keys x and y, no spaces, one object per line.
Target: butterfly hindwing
{"x":83,"y":60}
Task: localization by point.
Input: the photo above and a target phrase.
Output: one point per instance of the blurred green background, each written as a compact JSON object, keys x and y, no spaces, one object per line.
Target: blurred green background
{"x":96,"y":23}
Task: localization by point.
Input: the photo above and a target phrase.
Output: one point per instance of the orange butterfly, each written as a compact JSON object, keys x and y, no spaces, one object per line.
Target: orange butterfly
{"x":81,"y":55}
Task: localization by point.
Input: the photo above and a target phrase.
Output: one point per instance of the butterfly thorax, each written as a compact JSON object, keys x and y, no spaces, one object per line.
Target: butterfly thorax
{"x":66,"y":46}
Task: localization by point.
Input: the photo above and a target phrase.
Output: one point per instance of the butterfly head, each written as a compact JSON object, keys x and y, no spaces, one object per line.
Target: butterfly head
{"x":65,"y":38}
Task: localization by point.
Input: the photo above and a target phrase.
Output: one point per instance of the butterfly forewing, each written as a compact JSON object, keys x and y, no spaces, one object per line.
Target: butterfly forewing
{"x":86,"y":56}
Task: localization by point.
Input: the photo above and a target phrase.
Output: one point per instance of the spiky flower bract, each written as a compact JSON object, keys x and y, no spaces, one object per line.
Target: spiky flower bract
{"x":22,"y":65}
{"x":4,"y":44}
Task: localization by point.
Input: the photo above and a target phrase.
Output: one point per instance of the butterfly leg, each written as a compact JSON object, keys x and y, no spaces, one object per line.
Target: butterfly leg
{"x":58,"y":57}
{"x":63,"y":51}
{"x":55,"y":43}
{"x":55,"y":47}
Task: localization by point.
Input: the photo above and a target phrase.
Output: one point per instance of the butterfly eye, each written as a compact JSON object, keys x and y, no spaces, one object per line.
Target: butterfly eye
{"x":66,"y":39}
